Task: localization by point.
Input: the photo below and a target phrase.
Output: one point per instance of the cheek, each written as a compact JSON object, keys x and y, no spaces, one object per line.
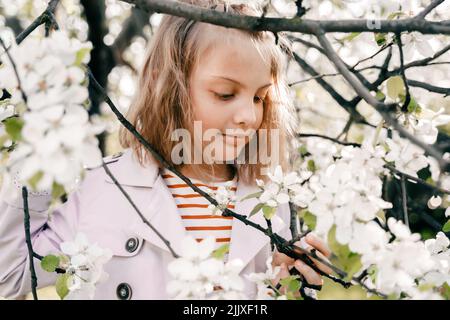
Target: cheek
{"x":209,"y":113}
{"x":209,"y":117}
{"x":259,"y":117}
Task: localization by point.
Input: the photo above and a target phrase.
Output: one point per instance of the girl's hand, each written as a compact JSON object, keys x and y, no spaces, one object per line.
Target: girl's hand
{"x":286,"y":263}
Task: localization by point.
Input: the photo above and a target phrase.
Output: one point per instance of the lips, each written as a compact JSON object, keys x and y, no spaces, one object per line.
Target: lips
{"x":234,"y":139}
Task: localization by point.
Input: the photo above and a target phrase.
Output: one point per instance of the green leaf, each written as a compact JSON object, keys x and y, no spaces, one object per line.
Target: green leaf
{"x":256,"y":209}
{"x":288,"y":280}
{"x":303,"y":150}
{"x":49,"y":263}
{"x":350,"y":37}
{"x":13,"y":127}
{"x":380,"y":96}
{"x":446,"y":291}
{"x":395,"y":87}
{"x":220,"y":252}
{"x":5,"y":102}
{"x":309,"y":218}
{"x":311,"y":166}
{"x":57,"y":190}
{"x":396,"y":14}
{"x":380,"y":38}
{"x":413,"y":107}
{"x":268,"y":211}
{"x":294,"y":285}
{"x":446,"y":227}
{"x":61,"y":285}
{"x":347,"y":260}
{"x":290,"y":296}
{"x":33,"y":181}
{"x":81,"y":54}
{"x":253,"y":195}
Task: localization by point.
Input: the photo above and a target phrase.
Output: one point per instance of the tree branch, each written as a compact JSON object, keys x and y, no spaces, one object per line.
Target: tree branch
{"x":404,"y":108}
{"x":29,"y":243}
{"x":47,"y":17}
{"x":295,"y":24}
{"x":387,"y":166}
{"x":307,"y":135}
{"x":404,"y":203}
{"x":429,"y":87}
{"x":347,"y":105}
{"x":382,"y":108}
{"x":428,"y":9}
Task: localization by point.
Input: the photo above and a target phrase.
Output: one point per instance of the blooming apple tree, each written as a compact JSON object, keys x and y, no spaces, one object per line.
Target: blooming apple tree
{"x":371,"y":155}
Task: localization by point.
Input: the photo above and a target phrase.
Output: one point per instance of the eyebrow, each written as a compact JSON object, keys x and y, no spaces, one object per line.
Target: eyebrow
{"x":235,"y":81}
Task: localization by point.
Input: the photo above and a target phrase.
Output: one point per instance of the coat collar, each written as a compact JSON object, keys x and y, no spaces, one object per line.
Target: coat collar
{"x":129,"y":172}
{"x":161,"y":211}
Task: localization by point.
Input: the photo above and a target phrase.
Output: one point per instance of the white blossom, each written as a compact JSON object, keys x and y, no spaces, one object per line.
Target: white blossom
{"x":280,"y":188}
{"x":224,"y":195}
{"x":85,"y":267}
{"x":264,"y":280}
{"x":196,"y":274}
{"x":434,"y":202}
{"x":57,"y":139}
{"x":407,"y":157}
{"x":416,"y":43}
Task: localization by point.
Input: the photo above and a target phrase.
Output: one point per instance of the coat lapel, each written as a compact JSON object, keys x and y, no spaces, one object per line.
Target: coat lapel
{"x":155,"y":200}
{"x":161,"y":211}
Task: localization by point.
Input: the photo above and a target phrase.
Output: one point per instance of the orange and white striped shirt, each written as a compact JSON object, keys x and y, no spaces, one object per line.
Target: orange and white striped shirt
{"x":197,"y":218}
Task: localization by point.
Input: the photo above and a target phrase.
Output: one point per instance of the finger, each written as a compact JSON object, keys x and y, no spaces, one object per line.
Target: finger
{"x":323,"y":267}
{"x":313,"y":242}
{"x":317,"y":243}
{"x":310,"y":275}
{"x":283,"y":273}
{"x":279,"y":258}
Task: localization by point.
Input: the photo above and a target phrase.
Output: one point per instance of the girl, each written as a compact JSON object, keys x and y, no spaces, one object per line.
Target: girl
{"x":198,"y":79}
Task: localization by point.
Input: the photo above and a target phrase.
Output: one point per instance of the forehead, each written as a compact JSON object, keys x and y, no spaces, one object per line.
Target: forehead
{"x":232,"y":53}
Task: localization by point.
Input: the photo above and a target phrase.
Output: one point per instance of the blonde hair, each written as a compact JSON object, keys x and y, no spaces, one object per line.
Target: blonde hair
{"x":162,"y":102}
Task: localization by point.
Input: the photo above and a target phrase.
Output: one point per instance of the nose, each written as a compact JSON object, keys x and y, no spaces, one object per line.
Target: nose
{"x":246,"y":114}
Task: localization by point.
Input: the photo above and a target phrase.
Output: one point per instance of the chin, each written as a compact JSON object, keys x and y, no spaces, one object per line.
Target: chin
{"x":231,"y":154}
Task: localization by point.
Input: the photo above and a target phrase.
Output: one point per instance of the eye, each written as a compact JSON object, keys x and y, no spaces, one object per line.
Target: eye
{"x":259,"y":99}
{"x":224,"y":96}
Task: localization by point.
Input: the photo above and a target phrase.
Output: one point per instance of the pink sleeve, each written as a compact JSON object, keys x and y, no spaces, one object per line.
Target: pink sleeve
{"x":46,"y":233}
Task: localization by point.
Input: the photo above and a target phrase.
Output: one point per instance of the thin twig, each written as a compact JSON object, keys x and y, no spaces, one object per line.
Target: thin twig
{"x":346,"y":128}
{"x":29,"y":243}
{"x":308,"y":135}
{"x":293,"y":220}
{"x":47,"y":17}
{"x":404,"y":203}
{"x":383,"y":109}
{"x":404,"y":108}
{"x":16,"y":73}
{"x":127,"y":196}
{"x":387,"y":166}
{"x":428,"y":9}
{"x":429,"y":87}
{"x":418,"y":180}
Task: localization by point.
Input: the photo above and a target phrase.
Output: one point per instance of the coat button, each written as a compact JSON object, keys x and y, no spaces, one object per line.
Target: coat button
{"x":124,"y":291}
{"x":132,"y":244}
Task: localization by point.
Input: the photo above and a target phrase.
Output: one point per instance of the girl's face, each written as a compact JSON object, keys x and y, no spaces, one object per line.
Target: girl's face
{"x":228,"y":87}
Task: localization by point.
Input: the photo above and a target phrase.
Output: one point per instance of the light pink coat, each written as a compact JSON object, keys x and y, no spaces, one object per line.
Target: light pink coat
{"x":99,"y":210}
